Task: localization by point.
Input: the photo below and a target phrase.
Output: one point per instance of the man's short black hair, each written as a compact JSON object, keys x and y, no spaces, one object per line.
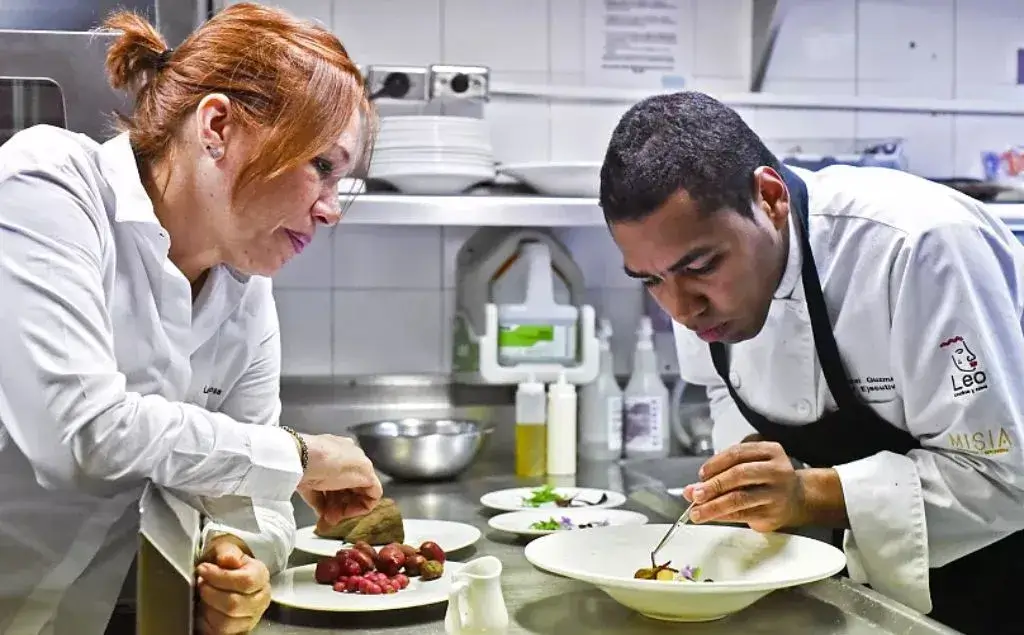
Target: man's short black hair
{"x":685,"y":140}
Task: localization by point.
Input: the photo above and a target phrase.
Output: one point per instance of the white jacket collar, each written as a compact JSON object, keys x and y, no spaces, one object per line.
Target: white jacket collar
{"x":791,"y":274}
{"x":117,"y":162}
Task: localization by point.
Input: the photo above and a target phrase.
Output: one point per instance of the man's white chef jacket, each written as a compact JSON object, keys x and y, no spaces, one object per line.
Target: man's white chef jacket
{"x":925,"y":291}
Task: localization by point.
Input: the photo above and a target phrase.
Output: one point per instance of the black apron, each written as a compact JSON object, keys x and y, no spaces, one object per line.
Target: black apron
{"x":976,"y":594}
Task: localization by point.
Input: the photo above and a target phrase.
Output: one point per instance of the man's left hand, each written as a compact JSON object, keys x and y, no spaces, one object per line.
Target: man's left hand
{"x":753,"y":483}
{"x":234,"y":589}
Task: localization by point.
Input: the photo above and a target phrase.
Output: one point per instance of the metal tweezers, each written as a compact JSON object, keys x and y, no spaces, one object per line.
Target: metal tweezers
{"x":683,"y":519}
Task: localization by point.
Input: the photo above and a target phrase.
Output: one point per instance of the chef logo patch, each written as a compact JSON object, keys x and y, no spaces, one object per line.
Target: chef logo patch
{"x":968,"y":376}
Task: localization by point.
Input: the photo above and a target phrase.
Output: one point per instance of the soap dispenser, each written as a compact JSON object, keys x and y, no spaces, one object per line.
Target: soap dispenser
{"x":600,"y":437}
{"x":645,"y":401}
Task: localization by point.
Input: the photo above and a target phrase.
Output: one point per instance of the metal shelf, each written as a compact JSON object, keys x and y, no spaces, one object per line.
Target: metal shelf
{"x":629,"y":96}
{"x":473,"y":211}
{"x":513,"y":211}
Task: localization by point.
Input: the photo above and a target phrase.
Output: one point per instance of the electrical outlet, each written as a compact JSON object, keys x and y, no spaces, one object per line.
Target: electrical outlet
{"x":398,"y":82}
{"x":460,"y":82}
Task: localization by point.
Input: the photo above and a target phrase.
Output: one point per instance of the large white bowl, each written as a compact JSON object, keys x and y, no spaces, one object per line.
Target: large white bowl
{"x":745,"y":566}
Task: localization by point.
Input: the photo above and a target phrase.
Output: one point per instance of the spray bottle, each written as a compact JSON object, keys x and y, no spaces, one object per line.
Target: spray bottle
{"x":601,"y":407}
{"x":645,"y":402}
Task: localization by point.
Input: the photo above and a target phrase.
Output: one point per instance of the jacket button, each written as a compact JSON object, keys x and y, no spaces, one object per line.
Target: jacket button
{"x":734,"y":379}
{"x":803,"y":408}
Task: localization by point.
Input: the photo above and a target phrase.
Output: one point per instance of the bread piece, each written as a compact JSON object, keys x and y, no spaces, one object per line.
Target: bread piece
{"x":338,"y":531}
{"x":381,"y":526}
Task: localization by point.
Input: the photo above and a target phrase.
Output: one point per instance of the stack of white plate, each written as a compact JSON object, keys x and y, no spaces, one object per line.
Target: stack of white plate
{"x":432,"y":155}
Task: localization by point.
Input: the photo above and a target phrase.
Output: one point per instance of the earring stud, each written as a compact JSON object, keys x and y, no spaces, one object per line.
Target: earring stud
{"x":216,"y":153}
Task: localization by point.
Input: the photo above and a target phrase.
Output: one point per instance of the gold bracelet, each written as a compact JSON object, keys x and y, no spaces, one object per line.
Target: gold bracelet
{"x":303,"y":448}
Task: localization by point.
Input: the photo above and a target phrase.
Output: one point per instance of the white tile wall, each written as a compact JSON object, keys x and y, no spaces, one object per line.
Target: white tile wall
{"x":379,"y":299}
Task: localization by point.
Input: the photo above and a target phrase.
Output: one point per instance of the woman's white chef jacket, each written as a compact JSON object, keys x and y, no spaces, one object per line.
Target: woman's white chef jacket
{"x":925,"y":291}
{"x":110,"y":376}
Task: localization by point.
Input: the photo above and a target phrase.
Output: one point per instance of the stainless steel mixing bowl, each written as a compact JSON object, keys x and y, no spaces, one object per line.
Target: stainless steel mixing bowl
{"x":422,"y":449}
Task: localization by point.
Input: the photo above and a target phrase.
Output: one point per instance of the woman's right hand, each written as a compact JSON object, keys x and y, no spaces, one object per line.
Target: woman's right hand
{"x":339,"y":481}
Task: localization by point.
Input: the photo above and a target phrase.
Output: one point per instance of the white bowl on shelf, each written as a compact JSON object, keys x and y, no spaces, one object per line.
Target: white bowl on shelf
{"x":574,"y":179}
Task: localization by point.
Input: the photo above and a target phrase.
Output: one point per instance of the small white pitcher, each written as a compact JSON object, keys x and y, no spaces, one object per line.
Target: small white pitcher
{"x":475,"y":602}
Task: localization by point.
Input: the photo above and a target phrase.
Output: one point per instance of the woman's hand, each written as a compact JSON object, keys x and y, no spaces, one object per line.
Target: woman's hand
{"x":234,"y":588}
{"x":339,"y":481}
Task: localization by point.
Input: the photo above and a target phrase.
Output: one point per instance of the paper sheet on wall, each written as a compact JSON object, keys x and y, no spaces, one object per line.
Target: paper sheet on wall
{"x":634,"y":43}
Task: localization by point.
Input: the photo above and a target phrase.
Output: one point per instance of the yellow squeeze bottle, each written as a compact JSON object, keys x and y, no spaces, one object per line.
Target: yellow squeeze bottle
{"x":531,"y":429}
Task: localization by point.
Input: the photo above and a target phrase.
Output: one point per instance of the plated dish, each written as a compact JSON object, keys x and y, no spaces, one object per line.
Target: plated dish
{"x":382,"y":526}
{"x":743,"y":566}
{"x":543,"y":522}
{"x":362,"y":577}
{"x":297,"y":588}
{"x":548,"y":497}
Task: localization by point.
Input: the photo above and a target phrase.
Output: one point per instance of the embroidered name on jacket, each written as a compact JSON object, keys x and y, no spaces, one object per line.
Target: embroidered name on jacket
{"x":968,"y":376}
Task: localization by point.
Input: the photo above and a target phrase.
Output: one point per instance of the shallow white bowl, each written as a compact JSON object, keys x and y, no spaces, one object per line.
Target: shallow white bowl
{"x":745,"y":566}
{"x":558,"y":178}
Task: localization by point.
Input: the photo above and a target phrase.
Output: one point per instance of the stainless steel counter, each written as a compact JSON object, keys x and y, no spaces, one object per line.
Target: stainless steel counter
{"x":538,"y":602}
{"x":549,"y":605}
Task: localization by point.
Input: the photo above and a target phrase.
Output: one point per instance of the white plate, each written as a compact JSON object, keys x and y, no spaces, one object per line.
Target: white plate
{"x":575,"y":179}
{"x":511,"y":500}
{"x":431,"y":179}
{"x":296,"y":588}
{"x":519,"y":522}
{"x":447,"y":162}
{"x":432,"y":153}
{"x":744,"y":564}
{"x":448,"y":535}
{"x":426,"y":121}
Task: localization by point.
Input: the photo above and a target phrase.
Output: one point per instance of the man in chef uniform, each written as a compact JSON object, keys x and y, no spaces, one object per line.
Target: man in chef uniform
{"x":863,"y":321}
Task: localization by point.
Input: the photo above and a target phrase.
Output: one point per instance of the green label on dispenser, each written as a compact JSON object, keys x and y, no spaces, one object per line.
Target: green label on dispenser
{"x":525,"y":335}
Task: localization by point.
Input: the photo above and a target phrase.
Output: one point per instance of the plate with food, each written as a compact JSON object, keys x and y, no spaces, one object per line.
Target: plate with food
{"x":382,"y":526}
{"x":543,"y":522}
{"x":549,"y":497}
{"x":704,"y":573}
{"x":363,"y":578}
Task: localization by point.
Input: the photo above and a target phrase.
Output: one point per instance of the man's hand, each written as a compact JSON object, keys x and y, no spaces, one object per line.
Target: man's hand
{"x":339,"y":481}
{"x":234,"y":588}
{"x":754,"y":483}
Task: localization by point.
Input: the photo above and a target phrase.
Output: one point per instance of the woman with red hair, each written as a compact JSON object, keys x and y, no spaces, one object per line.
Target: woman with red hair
{"x":139,"y":334}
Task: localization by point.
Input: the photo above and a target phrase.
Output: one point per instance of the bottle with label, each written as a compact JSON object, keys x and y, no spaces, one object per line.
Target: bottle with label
{"x":561,"y":447}
{"x":645,"y":402}
{"x":531,"y":429}
{"x":601,"y":407}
